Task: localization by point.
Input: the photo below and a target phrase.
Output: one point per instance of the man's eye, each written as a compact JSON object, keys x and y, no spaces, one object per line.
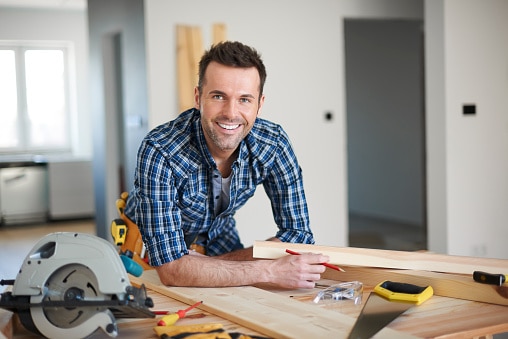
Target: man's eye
{"x":245,"y":100}
{"x":217,"y":97}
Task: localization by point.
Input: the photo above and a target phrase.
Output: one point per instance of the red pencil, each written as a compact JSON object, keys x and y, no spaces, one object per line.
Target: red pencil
{"x":333,"y":267}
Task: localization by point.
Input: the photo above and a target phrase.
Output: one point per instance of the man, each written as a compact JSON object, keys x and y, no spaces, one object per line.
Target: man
{"x":196,"y":171}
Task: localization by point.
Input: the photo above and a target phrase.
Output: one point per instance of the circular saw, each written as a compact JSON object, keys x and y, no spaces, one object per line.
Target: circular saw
{"x":72,"y":284}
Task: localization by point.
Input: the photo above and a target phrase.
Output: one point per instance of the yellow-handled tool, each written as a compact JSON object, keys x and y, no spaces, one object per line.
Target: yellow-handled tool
{"x":388,"y":300}
{"x":118,"y":231}
{"x":171,"y":319}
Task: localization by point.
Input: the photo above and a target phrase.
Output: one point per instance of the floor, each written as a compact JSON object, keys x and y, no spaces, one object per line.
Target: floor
{"x":16,"y":241}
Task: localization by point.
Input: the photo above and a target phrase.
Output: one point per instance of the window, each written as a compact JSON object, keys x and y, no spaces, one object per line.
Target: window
{"x":34,"y":100}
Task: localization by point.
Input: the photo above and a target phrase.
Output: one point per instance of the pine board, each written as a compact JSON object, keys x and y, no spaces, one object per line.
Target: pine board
{"x":265,"y":312}
{"x":444,"y":284}
{"x":219,"y":33}
{"x":420,"y":261}
{"x":189,"y":49}
{"x":6,"y":328}
{"x":438,"y":317}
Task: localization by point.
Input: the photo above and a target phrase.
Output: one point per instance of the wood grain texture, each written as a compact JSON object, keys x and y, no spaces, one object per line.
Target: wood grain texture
{"x":6,"y":328}
{"x":444,"y":284}
{"x":219,"y":33}
{"x":189,"y":49}
{"x":366,"y":257}
{"x":438,"y":317}
{"x":265,"y":312}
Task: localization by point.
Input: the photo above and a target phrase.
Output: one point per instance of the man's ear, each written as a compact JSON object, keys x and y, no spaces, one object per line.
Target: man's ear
{"x":261,"y":102}
{"x":196,"y":97}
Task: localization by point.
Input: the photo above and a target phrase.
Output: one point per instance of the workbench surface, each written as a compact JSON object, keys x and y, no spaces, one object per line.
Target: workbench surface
{"x":439,"y":317}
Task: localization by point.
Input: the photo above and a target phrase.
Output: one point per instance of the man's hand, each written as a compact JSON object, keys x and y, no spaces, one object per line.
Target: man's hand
{"x":291,"y":271}
{"x":296,"y":271}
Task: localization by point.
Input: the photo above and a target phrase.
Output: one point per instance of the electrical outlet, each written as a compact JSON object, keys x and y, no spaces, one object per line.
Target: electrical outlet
{"x":469,"y":109}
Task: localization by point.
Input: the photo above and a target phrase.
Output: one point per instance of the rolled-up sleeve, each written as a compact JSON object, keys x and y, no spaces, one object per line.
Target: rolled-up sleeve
{"x":284,"y":187}
{"x":156,"y":213}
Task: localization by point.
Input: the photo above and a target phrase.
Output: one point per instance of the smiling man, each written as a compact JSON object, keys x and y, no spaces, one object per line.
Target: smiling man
{"x":195,"y":172}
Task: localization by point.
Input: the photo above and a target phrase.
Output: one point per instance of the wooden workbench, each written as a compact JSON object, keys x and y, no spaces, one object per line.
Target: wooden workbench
{"x":439,"y":317}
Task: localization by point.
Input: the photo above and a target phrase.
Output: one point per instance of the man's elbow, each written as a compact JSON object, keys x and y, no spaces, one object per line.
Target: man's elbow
{"x":168,"y":275}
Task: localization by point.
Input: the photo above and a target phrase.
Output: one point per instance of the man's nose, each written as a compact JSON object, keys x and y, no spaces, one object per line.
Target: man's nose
{"x":230,"y":109}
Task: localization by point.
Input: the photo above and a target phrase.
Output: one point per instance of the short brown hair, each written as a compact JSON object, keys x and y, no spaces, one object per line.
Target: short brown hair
{"x":235,"y":54}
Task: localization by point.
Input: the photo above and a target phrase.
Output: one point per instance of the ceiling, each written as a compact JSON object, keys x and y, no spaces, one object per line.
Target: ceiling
{"x":53,"y":4}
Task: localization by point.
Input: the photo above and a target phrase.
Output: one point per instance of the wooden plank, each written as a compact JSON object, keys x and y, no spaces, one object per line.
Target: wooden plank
{"x":265,"y":312}
{"x":438,"y":317}
{"x":6,"y":328}
{"x":196,"y":51}
{"x":444,"y":284}
{"x":185,"y":94}
{"x":441,"y":317}
{"x":367,"y":257}
{"x":189,"y":48}
{"x":136,"y":328}
{"x":219,"y":33}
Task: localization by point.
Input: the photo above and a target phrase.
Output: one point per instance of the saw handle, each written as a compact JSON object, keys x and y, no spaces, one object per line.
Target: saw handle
{"x":396,"y":291}
{"x":402,"y":287}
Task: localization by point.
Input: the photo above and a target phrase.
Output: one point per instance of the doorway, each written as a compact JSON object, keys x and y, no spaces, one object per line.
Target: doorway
{"x":386,"y":133}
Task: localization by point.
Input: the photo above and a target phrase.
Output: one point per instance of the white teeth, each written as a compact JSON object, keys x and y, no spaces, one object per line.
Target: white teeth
{"x":228,"y":127}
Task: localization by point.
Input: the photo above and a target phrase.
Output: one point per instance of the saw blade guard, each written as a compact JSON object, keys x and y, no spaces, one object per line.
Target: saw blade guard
{"x":72,"y":284}
{"x":59,"y":249}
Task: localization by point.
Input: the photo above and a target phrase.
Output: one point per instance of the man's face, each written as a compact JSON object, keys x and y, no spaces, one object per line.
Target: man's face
{"x":229,"y":105}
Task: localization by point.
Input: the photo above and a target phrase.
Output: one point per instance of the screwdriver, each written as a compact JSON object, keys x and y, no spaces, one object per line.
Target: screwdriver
{"x":489,"y":278}
{"x":172,"y":318}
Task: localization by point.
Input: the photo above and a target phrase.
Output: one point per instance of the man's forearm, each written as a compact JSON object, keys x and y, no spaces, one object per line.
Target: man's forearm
{"x":291,"y":271}
{"x":202,"y":271}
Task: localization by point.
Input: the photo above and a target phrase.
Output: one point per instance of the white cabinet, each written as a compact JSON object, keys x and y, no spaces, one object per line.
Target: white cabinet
{"x":23,"y":194}
{"x":71,"y":193}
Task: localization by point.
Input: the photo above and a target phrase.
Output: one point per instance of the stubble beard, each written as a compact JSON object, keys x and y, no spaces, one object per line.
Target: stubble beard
{"x":224,"y":143}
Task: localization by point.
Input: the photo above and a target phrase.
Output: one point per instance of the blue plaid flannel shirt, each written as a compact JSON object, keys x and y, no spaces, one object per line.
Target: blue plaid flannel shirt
{"x":172,"y":197}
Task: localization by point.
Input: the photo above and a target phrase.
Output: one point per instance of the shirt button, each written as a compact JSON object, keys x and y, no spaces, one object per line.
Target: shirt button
{"x":217,"y":197}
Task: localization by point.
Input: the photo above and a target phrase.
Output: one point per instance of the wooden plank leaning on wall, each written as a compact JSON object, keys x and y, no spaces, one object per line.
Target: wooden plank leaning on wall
{"x":189,"y":49}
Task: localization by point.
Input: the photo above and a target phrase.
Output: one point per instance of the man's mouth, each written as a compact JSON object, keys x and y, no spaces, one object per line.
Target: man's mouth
{"x":228,"y":126}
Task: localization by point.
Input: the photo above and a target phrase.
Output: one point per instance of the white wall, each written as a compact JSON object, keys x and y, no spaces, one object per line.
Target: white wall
{"x":59,"y":25}
{"x":473,"y":217}
{"x":300,"y":42}
{"x":302,"y":45}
